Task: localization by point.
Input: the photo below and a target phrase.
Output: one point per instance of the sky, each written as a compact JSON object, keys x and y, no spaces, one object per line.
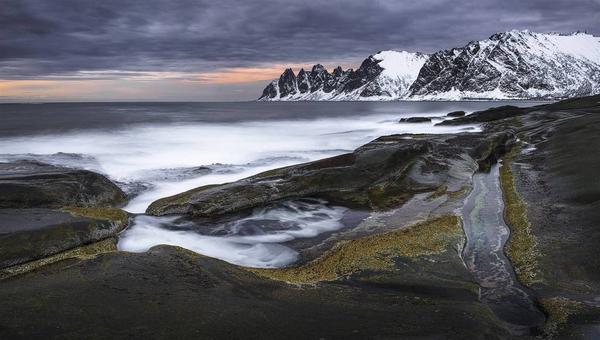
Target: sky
{"x":228,"y":50}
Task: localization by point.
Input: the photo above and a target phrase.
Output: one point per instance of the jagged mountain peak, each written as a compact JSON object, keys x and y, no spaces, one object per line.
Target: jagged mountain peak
{"x":386,"y":74}
{"x":338,"y":71}
{"x":288,"y":72}
{"x":318,"y":68}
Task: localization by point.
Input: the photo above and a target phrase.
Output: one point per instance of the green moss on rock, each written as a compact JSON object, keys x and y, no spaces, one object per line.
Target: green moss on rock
{"x":108,"y":214}
{"x":375,"y":252}
{"x":177,"y":199}
{"x":83,"y":252}
{"x":558,"y":310}
{"x":521,"y":247}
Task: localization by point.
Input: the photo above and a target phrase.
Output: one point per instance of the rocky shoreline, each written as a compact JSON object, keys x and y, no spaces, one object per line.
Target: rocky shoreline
{"x":397,"y":272}
{"x":48,"y":211}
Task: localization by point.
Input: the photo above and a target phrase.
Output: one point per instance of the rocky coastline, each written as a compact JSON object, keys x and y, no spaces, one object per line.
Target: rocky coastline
{"x":397,"y":272}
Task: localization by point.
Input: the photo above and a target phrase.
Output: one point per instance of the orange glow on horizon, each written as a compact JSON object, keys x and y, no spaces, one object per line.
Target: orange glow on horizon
{"x":245,"y":74}
{"x":251,"y":74}
{"x":123,"y":84}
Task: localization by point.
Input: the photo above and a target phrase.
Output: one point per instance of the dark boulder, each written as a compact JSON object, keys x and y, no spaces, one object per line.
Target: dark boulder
{"x":489,"y":115}
{"x":456,"y":114}
{"x":415,"y":120}
{"x":28,"y":184}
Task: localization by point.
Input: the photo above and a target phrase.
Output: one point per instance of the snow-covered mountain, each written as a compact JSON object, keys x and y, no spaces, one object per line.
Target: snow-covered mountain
{"x":386,"y":75}
{"x":515,"y":64}
{"x":509,"y":65}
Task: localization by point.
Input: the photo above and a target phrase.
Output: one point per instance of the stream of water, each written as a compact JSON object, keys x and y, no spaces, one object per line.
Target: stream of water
{"x":483,"y":254}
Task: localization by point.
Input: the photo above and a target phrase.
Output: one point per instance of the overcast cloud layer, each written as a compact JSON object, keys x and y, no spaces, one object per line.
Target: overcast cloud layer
{"x":58,"y":38}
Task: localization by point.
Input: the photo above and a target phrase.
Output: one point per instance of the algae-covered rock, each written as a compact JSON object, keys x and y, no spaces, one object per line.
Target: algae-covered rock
{"x":379,"y":252}
{"x":28,"y":184}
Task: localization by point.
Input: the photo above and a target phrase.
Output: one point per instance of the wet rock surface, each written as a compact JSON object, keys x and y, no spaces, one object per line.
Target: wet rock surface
{"x":557,"y":175}
{"x":46,"y":210}
{"x":31,"y":234}
{"x":172,"y":293}
{"x":30,"y":184}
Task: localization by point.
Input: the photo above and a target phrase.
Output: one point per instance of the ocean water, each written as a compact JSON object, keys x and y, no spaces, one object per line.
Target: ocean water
{"x":153,"y":150}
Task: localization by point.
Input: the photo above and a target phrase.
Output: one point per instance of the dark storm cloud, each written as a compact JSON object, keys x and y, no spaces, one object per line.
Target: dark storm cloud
{"x":53,"y":38}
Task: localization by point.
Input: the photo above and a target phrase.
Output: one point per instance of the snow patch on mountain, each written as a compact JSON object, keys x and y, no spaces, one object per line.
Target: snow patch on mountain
{"x":400,"y":69}
{"x":400,"y":64}
{"x":580,"y":45}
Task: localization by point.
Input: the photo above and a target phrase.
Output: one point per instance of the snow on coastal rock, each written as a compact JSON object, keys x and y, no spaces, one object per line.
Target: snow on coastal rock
{"x":509,"y":65}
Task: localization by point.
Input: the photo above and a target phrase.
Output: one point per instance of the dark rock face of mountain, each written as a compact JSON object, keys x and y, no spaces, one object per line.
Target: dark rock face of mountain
{"x":366,"y":73}
{"x":303,"y":81}
{"x":270,"y":91}
{"x":288,"y":83}
{"x":318,"y":78}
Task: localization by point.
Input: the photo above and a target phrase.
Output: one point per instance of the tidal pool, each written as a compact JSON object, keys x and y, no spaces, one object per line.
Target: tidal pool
{"x":486,"y":231}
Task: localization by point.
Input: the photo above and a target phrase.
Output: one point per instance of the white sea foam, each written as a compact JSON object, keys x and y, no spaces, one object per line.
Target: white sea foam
{"x":135,"y":153}
{"x":253,"y":241}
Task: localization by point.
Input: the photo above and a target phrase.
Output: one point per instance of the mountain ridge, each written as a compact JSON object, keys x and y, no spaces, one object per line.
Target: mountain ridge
{"x":507,"y":65}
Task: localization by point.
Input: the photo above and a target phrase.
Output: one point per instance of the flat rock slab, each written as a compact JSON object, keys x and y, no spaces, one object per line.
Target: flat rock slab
{"x":560,"y":178}
{"x":29,"y":184}
{"x":170,"y":293}
{"x":32,"y":234}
